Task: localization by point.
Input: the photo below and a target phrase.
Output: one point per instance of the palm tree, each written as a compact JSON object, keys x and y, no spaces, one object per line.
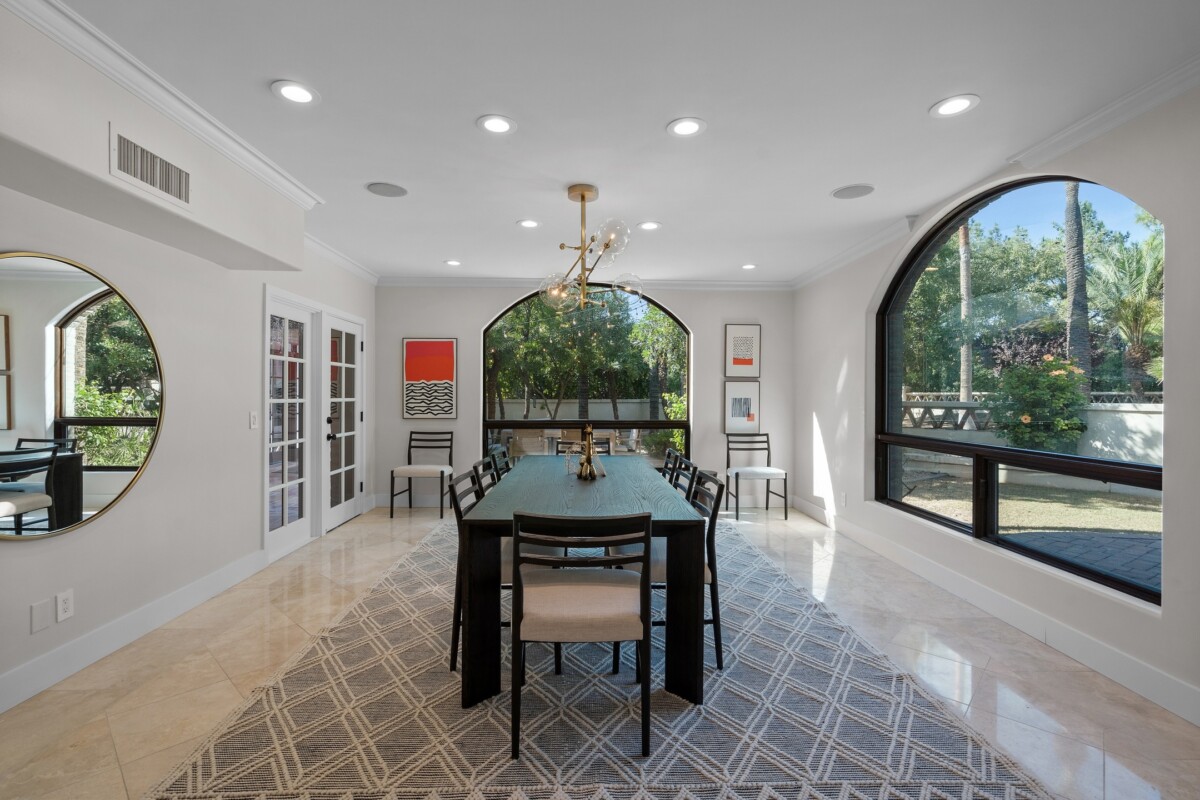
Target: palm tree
{"x":1126,"y":285}
{"x":1079,"y":345}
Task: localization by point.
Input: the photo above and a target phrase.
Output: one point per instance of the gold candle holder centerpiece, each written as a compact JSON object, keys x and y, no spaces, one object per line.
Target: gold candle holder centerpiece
{"x":587,"y":471}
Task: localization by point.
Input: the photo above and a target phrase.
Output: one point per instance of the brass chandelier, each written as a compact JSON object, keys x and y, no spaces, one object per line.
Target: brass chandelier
{"x":564,"y":293}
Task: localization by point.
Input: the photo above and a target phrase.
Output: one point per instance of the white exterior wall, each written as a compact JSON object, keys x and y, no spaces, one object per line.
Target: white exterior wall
{"x":1155,"y":651}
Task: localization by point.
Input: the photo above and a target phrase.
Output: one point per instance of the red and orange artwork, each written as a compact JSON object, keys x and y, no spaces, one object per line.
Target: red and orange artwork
{"x":430,"y":390}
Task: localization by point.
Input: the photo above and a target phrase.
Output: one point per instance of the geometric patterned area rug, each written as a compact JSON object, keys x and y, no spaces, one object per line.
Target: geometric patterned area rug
{"x":805,"y":709}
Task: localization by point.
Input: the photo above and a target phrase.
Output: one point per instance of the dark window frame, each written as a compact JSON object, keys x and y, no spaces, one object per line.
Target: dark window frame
{"x":61,"y":425}
{"x":987,"y":458}
{"x":597,"y":424}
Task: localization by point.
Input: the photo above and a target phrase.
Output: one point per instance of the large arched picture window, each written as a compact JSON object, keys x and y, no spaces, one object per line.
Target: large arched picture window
{"x":1020,"y":380}
{"x":623,"y":368}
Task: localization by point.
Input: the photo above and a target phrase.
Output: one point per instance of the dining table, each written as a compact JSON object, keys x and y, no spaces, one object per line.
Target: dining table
{"x":545,"y":485}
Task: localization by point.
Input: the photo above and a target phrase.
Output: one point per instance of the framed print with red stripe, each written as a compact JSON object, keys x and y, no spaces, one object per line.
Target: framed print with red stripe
{"x":743,"y":348}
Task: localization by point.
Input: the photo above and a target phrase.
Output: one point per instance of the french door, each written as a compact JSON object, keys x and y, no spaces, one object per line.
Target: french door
{"x":342,"y":440}
{"x":288,"y":435}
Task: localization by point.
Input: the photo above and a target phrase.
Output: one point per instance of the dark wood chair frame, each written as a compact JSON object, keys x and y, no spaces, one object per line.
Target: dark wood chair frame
{"x":578,"y":534}
{"x":425,"y":440}
{"x":750,"y":442}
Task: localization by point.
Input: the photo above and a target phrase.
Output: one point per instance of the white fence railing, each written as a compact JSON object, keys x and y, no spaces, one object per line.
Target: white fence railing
{"x":1096,"y":398}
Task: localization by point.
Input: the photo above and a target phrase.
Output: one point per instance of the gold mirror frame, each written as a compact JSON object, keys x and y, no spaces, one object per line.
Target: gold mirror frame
{"x":39,"y":536}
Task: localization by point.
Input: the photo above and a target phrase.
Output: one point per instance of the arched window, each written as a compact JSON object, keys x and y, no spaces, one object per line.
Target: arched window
{"x":1020,"y":380}
{"x":623,"y":368}
{"x":109,"y":390}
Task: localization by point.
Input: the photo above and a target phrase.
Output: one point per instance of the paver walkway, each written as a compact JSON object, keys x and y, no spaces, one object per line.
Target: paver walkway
{"x":1134,"y":557}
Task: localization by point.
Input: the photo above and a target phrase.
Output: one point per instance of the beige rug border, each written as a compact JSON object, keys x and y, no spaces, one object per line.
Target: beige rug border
{"x":258,"y":691}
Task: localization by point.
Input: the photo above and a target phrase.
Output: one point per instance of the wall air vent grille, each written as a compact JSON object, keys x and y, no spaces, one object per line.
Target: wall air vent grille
{"x":139,"y":163}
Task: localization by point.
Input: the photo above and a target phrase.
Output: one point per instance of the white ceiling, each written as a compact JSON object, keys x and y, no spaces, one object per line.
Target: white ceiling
{"x":800,"y":98}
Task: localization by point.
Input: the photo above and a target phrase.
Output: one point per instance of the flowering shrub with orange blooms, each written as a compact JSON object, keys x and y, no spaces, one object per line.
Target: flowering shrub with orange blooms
{"x":1040,"y":406}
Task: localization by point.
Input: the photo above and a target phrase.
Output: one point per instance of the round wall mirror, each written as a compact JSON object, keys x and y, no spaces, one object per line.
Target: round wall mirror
{"x":80,"y":395}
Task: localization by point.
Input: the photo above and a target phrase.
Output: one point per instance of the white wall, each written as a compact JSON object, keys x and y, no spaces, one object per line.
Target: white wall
{"x":1152,"y":160}
{"x":197,"y":509}
{"x":464,"y":313}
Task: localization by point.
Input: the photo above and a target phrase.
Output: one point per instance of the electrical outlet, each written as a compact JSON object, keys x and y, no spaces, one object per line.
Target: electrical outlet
{"x":40,"y":616}
{"x":64,"y":603}
{"x":843,"y":499}
{"x":253,"y":420}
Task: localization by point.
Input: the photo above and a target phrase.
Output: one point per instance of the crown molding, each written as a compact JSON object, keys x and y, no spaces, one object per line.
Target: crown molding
{"x":467,"y":282}
{"x":339,"y":259}
{"x":899,"y":228}
{"x":1122,"y":110}
{"x":83,"y":40}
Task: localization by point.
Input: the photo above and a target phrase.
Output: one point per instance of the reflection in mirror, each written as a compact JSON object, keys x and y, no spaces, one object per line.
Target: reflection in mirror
{"x":84,"y":380}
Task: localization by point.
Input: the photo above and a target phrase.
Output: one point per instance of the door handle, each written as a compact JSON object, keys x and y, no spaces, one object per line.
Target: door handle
{"x":329,"y":437}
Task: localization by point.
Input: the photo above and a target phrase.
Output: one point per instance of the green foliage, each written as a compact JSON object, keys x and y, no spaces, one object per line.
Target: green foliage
{"x":110,"y":445}
{"x":628,"y":349}
{"x":116,"y":376}
{"x":1040,"y":406}
{"x":118,"y":351}
{"x":656,"y":442}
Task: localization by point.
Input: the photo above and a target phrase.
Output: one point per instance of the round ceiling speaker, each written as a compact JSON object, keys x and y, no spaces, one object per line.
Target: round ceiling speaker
{"x":853,"y":191}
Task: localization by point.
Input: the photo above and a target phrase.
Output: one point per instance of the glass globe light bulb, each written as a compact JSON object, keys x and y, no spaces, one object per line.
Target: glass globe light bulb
{"x":615,"y":233}
{"x":628,"y":282}
{"x":557,"y":293}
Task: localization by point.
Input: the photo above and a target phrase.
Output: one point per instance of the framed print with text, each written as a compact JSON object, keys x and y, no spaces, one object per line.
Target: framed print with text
{"x":430,"y":370}
{"x":741,"y":407}
{"x":743,"y":349}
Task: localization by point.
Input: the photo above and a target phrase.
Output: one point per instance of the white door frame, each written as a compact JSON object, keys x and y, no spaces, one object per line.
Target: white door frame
{"x":317,"y":493}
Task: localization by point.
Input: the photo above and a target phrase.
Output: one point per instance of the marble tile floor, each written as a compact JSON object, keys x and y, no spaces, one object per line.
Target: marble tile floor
{"x":114,"y":729}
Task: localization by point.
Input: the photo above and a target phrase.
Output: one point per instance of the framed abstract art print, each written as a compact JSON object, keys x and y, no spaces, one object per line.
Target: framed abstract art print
{"x":743,"y":348}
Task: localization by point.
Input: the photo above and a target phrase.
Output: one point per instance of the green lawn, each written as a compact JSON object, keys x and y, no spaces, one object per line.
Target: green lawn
{"x":1044,"y":508}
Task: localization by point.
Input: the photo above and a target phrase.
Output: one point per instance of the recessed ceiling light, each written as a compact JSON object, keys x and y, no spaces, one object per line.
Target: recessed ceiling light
{"x":386,"y":189}
{"x":686,"y":126}
{"x":853,"y":191}
{"x":452,"y":263}
{"x":749,"y":266}
{"x":649,"y":226}
{"x":527,"y":223}
{"x":295,"y":92}
{"x":494,"y":123}
{"x":953,"y":106}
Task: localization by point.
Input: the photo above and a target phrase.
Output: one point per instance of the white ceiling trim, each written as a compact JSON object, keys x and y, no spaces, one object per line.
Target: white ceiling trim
{"x":340,"y":259}
{"x":528,"y":283}
{"x":80,"y":38}
{"x":896,"y":230}
{"x":1118,"y":112}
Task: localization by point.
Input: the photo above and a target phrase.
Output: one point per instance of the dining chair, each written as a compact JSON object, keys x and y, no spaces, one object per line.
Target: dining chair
{"x":504,"y":462}
{"x":486,"y":473}
{"x":465,"y":491}
{"x":15,"y":482}
{"x":17,"y":504}
{"x":670,"y":464}
{"x":751,"y":443}
{"x":683,"y":476}
{"x":704,"y":496}
{"x":423,"y":441}
{"x":579,"y":596}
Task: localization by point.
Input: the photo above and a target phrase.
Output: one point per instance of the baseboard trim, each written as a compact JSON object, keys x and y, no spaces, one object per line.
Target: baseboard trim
{"x":1173,"y":694}
{"x":23,"y":682}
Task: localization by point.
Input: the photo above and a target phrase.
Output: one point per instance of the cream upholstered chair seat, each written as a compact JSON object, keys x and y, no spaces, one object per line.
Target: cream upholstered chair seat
{"x":422,"y":471}
{"x":582,"y":597}
{"x":758,"y":473}
{"x":421,"y":467}
{"x":658,"y":562}
{"x":13,"y":503}
{"x":582,"y":605}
